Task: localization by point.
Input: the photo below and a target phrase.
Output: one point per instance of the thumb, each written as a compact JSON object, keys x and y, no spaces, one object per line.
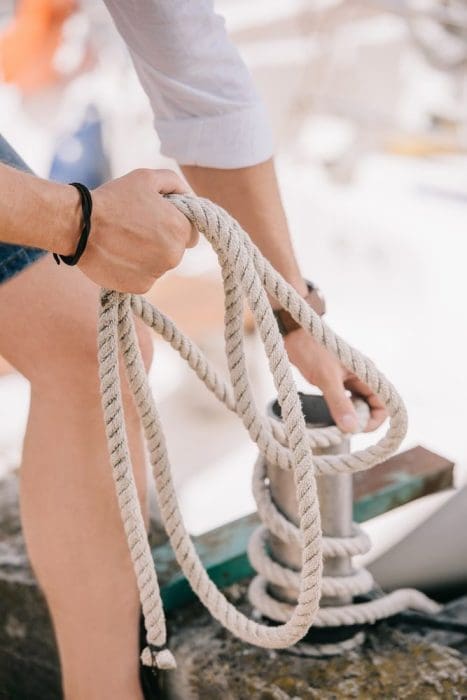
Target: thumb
{"x":340,"y":405}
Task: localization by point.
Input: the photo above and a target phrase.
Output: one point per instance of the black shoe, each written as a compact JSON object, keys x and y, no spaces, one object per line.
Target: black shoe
{"x":150,"y":678}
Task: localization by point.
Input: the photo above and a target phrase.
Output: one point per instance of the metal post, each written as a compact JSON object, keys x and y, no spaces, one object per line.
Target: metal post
{"x":335,"y":497}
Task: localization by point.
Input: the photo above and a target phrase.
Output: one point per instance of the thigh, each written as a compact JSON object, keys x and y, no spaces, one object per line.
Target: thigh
{"x":48,"y":325}
{"x":48,"y":313}
{"x":48,"y":320}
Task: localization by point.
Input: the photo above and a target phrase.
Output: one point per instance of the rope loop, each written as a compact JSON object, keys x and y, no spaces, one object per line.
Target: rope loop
{"x":246,"y":275}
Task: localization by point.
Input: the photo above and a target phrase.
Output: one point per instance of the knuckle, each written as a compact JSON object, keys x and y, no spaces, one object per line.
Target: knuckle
{"x":174,"y":255}
{"x":144,"y":285}
{"x":179,"y":226}
{"x":139,"y":284}
{"x":184,"y":230}
{"x":193,"y":238}
{"x":167,"y":172}
{"x":172,"y":180}
{"x":144,"y":174}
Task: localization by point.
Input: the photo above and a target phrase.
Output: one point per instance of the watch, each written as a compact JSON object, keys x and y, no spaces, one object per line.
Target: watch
{"x":314,"y":298}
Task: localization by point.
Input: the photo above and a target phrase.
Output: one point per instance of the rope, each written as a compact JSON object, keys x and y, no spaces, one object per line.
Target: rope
{"x":356,"y":583}
{"x":245,"y":274}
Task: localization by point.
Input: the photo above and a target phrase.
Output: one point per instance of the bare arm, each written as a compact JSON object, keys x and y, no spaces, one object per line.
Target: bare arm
{"x":210,"y":119}
{"x":136,"y":234}
{"x":38,"y":213}
{"x":252,"y":196}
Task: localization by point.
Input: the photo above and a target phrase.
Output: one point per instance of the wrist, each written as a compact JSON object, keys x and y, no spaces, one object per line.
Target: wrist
{"x":287,"y":324}
{"x":64,"y":202}
{"x":300,"y":287}
{"x":37,"y":212}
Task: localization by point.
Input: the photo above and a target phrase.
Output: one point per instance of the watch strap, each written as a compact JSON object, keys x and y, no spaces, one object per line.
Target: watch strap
{"x":314,"y":298}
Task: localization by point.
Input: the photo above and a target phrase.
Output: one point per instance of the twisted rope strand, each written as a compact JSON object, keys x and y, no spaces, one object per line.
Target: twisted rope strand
{"x":122,"y":471}
{"x":186,"y":555}
{"x":246,"y":274}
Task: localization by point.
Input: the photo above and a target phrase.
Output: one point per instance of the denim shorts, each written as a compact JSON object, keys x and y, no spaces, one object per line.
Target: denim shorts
{"x":14,"y":258}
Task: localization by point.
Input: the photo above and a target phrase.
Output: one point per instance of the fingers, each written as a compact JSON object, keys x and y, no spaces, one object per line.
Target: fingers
{"x":138,"y":234}
{"x":339,"y":402}
{"x":378,"y":412}
{"x":324,"y":370}
{"x":194,"y":237}
{"x":184,"y":230}
{"x":168,"y":182}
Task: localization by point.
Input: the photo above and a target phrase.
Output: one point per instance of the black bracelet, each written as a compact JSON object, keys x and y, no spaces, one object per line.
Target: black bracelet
{"x":86,"y":205}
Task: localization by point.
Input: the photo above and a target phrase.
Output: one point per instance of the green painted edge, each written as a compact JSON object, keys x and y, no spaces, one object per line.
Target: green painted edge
{"x":223,"y":553}
{"x":178,"y":592}
{"x":223,"y":550}
{"x":402,"y":491}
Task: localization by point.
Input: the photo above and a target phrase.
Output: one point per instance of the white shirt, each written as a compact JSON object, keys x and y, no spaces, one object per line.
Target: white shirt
{"x":206,"y":109}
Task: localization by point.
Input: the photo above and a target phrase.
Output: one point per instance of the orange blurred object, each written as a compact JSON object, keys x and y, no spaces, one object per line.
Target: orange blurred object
{"x":30,"y":42}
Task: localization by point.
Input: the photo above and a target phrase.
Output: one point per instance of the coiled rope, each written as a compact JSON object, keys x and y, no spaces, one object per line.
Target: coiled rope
{"x":289,"y":444}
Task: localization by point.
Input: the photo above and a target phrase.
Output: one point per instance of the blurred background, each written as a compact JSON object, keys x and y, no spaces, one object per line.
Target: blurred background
{"x":368,"y":102}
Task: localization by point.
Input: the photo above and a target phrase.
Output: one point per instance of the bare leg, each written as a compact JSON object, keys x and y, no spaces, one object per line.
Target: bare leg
{"x":70,"y":517}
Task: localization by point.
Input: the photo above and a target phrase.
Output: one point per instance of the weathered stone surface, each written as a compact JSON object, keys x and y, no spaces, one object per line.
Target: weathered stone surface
{"x":28,"y":657}
{"x":394,"y":662}
{"x":29,"y":668}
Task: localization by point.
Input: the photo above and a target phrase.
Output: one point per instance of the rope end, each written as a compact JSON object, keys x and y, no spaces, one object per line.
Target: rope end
{"x":163,"y":659}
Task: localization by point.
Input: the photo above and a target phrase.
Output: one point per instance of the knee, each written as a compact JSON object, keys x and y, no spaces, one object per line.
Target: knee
{"x":70,"y":362}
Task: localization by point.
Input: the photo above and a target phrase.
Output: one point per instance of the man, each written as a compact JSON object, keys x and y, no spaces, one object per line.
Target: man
{"x":209,"y":118}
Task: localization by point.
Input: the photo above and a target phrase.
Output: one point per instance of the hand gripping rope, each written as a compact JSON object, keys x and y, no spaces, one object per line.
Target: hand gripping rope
{"x":289,"y":444}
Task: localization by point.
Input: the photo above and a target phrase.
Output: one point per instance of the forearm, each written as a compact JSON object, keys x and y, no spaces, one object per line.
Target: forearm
{"x":207,"y":110}
{"x":252,"y":196}
{"x":36,"y":212}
